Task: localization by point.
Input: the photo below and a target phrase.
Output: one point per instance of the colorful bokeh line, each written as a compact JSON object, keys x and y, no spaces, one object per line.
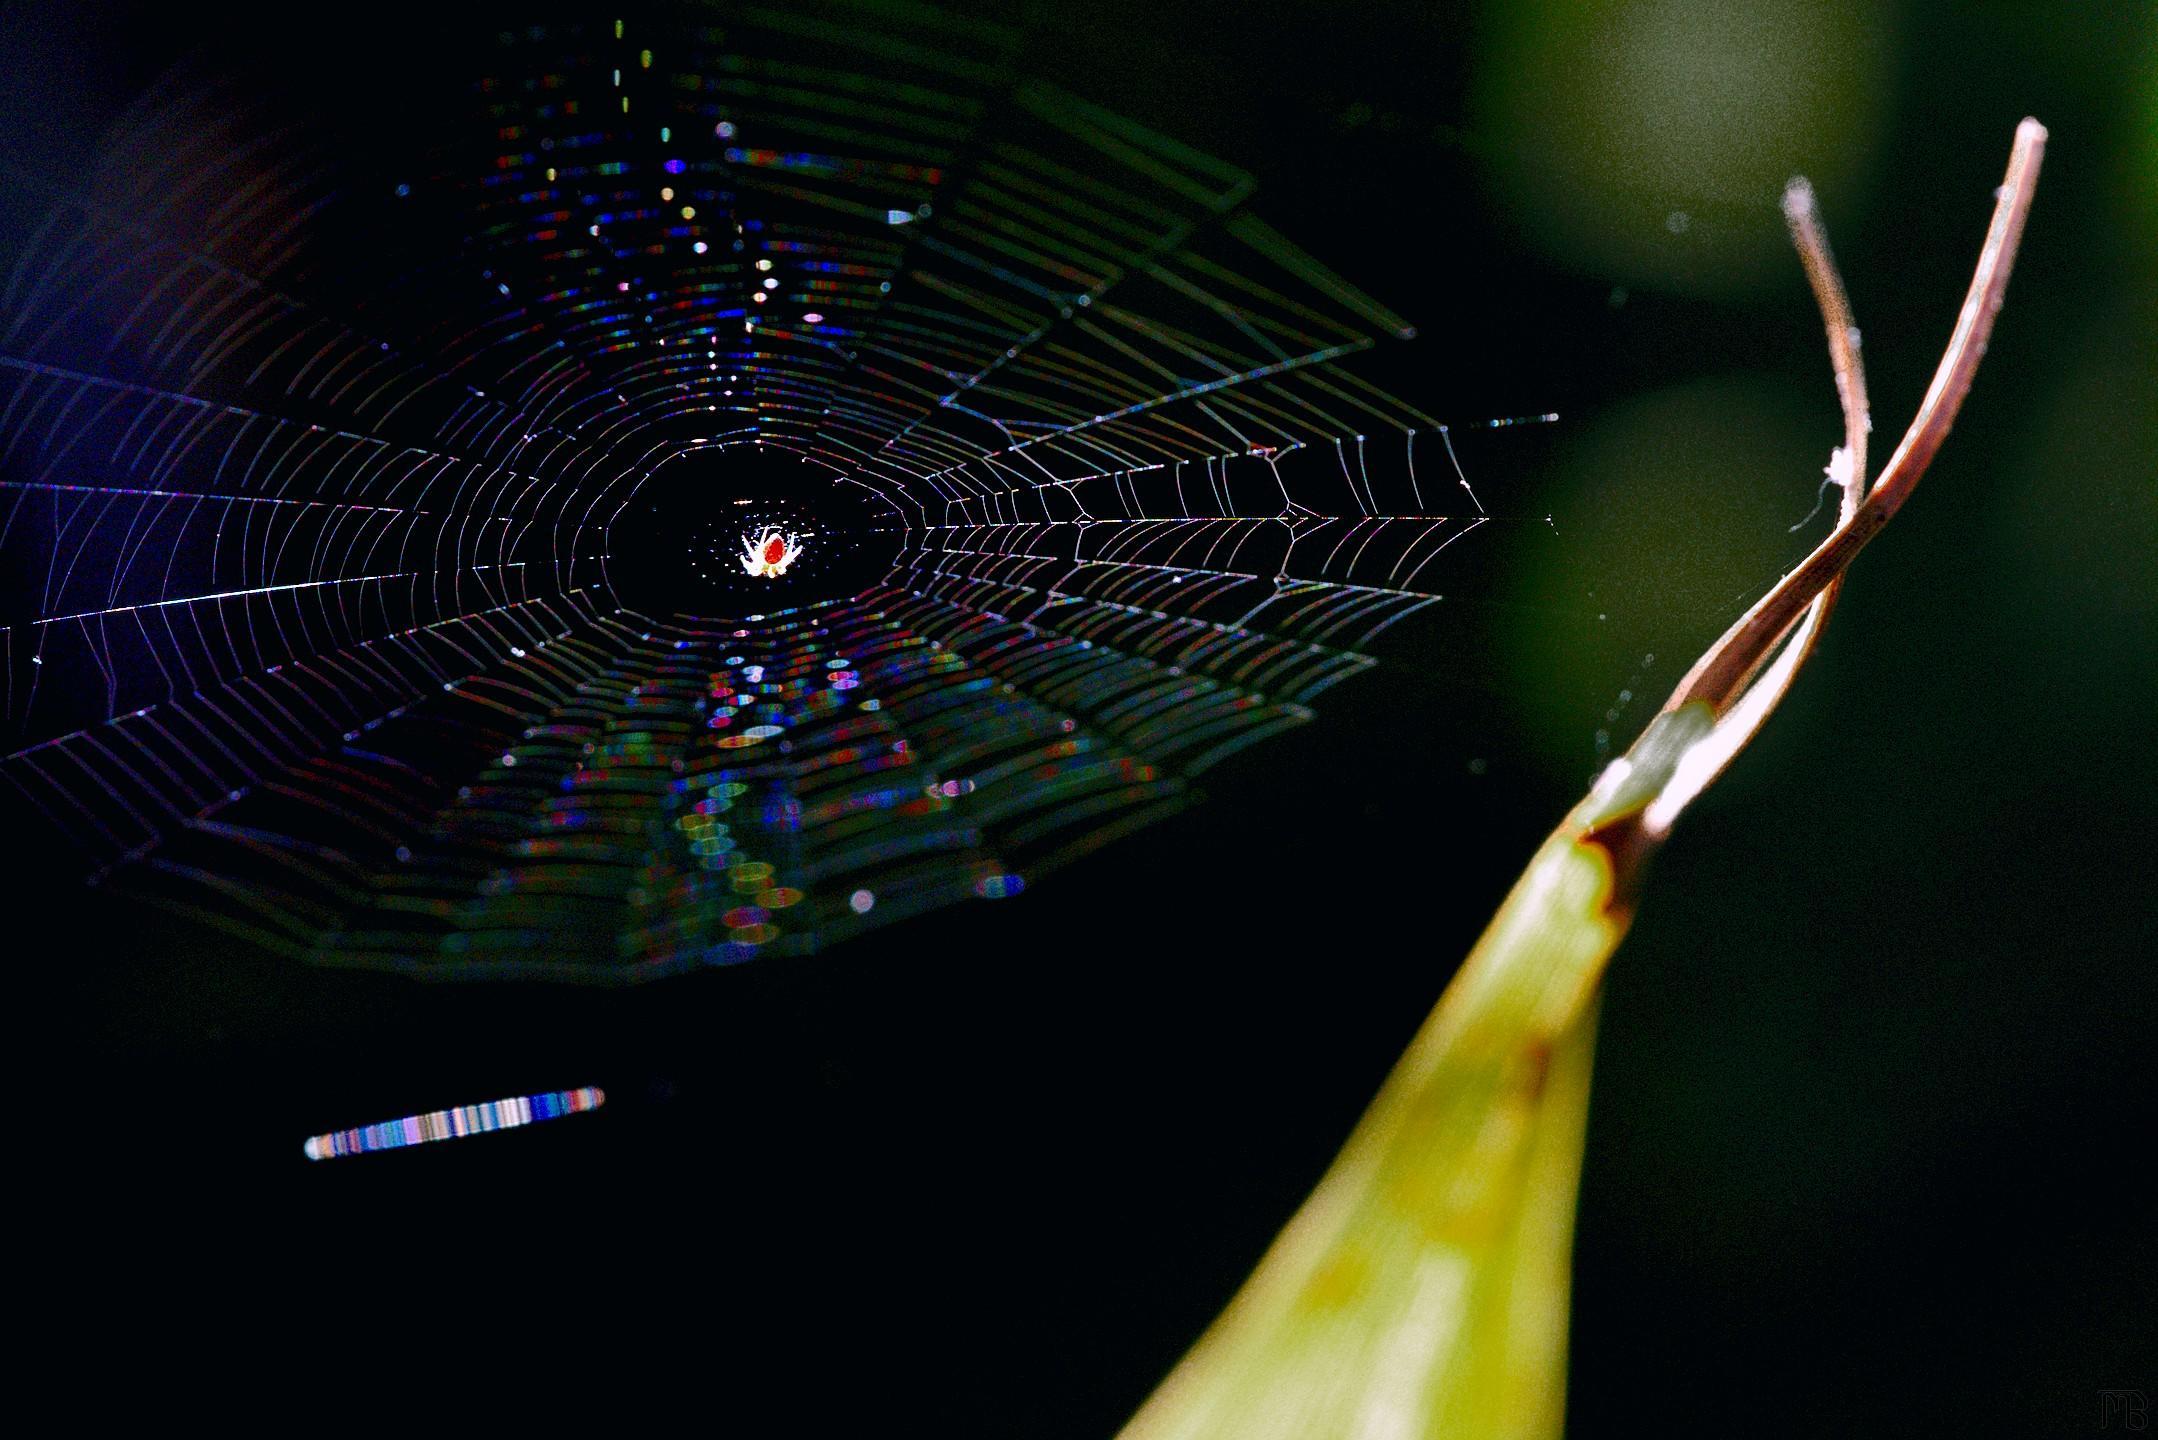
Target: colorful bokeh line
{"x":455,"y":1124}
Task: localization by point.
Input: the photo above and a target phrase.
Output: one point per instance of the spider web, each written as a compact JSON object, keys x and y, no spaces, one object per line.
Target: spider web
{"x":308,"y":472}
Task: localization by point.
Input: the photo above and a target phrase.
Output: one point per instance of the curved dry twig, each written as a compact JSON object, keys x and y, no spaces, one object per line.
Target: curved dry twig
{"x":1735,"y":677}
{"x":1720,"y":675}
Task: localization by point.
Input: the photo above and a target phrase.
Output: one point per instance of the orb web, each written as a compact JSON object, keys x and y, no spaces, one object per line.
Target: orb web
{"x":310,"y":464}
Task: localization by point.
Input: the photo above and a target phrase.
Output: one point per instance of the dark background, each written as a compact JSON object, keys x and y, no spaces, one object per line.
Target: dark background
{"x":1874,"y":1099}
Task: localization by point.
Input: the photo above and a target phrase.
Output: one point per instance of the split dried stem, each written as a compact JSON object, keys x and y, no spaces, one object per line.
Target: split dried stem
{"x":1721,"y":676}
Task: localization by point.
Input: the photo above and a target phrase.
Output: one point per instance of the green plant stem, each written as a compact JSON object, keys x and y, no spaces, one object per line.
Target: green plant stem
{"x":1422,"y":1289}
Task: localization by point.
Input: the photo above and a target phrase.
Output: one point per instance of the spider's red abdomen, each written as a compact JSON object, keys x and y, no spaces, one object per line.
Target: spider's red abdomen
{"x":774,"y":549}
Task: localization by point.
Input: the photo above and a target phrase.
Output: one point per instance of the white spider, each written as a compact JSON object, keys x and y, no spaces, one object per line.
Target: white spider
{"x":768,"y":553}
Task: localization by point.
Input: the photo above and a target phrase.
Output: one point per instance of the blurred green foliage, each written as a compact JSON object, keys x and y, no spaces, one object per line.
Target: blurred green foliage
{"x":1638,"y":137}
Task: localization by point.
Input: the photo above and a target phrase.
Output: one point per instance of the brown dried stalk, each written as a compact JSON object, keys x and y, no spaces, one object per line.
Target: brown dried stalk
{"x":1722,"y":675}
